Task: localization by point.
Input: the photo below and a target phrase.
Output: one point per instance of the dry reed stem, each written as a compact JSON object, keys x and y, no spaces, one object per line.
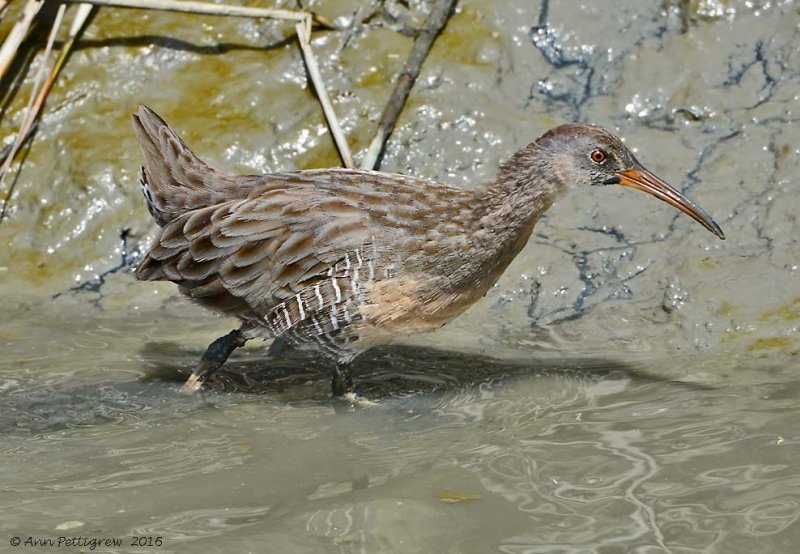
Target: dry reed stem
{"x":437,"y":19}
{"x":18,"y":33}
{"x":81,"y":15}
{"x":37,"y":100}
{"x":304,"y":36}
{"x":30,"y":113}
{"x":207,"y":8}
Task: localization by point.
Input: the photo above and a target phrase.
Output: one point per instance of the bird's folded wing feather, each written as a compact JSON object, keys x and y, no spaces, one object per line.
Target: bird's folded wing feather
{"x":256,"y":251}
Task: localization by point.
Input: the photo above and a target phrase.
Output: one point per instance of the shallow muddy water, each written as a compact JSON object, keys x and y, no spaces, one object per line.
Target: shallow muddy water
{"x":629,"y":385}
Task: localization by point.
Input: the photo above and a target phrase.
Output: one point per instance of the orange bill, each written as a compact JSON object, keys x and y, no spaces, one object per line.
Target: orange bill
{"x":642,"y":179}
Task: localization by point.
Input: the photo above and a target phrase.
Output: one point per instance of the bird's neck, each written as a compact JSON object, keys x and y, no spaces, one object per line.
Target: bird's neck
{"x":523,"y":190}
{"x":506,"y":209}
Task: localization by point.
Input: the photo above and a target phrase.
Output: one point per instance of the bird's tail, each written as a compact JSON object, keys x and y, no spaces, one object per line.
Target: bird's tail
{"x":173,"y":179}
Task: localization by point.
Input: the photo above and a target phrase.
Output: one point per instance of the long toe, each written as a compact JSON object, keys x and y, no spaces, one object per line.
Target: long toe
{"x":192,"y":384}
{"x":350,"y":402}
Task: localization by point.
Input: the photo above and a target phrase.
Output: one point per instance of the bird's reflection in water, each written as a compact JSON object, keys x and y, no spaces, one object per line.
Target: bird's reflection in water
{"x":387,"y":372}
{"x":413,"y":375}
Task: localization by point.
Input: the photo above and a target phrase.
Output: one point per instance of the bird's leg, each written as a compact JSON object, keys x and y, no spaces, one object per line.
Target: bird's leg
{"x":279,"y":347}
{"x":215,"y":355}
{"x":345,"y":397}
{"x":342,"y":380}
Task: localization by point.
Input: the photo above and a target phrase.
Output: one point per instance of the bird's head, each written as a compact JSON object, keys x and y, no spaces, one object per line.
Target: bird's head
{"x":587,"y":154}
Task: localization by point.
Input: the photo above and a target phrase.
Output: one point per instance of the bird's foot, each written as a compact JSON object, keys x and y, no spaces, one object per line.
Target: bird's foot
{"x":192,"y":385}
{"x":215,"y":355}
{"x":350,"y":401}
{"x":358,"y":401}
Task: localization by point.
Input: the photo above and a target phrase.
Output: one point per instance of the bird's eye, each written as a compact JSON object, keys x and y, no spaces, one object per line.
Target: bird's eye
{"x":598,"y":156}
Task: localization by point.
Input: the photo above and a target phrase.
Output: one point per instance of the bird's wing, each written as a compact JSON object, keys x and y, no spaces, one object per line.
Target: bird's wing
{"x":254,"y":252}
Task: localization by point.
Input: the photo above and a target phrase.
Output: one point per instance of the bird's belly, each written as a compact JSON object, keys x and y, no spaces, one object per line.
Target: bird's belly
{"x":412,"y":306}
